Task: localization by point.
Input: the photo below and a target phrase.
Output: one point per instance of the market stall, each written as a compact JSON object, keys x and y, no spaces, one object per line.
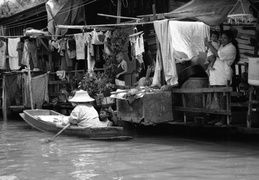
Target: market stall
{"x":145,"y":106}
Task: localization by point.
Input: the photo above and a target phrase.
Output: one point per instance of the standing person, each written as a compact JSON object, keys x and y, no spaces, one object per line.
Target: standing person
{"x":222,"y":73}
{"x":84,"y":114}
{"x":147,"y":73}
{"x":211,"y":58}
{"x":122,"y":69}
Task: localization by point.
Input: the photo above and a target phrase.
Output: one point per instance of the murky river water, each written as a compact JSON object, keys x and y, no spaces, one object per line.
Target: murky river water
{"x":24,"y":156}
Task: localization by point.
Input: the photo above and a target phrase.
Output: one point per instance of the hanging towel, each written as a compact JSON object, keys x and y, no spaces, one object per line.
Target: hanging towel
{"x":90,"y":51}
{"x":165,"y":43}
{"x":13,"y":53}
{"x":39,"y":90}
{"x":80,"y":46}
{"x":188,"y":37}
{"x":2,"y":54}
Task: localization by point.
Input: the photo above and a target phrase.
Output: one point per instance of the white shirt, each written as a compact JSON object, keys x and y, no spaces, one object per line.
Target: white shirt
{"x":86,"y":116}
{"x":222,"y":66}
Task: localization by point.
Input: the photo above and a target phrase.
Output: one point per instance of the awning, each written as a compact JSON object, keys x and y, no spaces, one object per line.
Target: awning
{"x":66,"y":12}
{"x":211,"y":12}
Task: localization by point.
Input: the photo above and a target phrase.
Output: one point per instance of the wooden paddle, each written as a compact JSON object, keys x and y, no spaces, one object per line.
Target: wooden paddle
{"x":53,"y":138}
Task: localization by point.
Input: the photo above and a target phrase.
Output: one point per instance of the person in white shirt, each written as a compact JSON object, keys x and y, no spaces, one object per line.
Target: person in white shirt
{"x":84,"y":114}
{"x":222,"y":74}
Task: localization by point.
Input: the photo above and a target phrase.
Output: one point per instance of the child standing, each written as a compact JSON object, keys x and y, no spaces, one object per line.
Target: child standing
{"x":211,"y":58}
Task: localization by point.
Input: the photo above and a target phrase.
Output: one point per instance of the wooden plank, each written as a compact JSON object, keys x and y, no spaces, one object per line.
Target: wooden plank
{"x":57,"y":82}
{"x":16,"y":107}
{"x":202,"y":90}
{"x":245,"y":46}
{"x":201,"y":110}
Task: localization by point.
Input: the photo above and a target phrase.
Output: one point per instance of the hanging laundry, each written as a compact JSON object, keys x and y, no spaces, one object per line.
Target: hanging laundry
{"x":80,"y":46}
{"x":2,"y":54}
{"x":39,"y":90}
{"x":165,"y":60}
{"x":19,"y":49}
{"x":13,"y":54}
{"x":137,"y":46}
{"x":97,"y":37}
{"x":188,"y":37}
{"x":25,"y":56}
{"x":107,"y":42}
{"x":90,"y":51}
{"x":71,"y":48}
{"x":61,"y":74}
{"x":33,"y":55}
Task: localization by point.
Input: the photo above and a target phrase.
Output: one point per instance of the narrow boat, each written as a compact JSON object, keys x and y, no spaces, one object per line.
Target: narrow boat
{"x":51,"y":121}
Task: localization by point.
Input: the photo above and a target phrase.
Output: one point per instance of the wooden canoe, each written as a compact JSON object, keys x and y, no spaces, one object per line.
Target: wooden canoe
{"x":48,"y":121}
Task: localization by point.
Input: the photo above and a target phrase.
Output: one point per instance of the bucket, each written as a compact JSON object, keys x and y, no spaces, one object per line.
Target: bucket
{"x":253,"y":71}
{"x":194,"y":100}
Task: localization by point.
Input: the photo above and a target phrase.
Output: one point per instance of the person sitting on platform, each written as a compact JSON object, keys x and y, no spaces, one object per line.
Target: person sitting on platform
{"x":122,"y":69}
{"x":84,"y":114}
{"x":147,"y":69}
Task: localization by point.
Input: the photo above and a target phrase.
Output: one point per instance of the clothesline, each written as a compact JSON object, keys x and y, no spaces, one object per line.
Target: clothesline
{"x":100,"y":25}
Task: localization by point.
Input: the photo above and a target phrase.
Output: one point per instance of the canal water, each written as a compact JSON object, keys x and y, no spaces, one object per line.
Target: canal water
{"x":25,"y":156}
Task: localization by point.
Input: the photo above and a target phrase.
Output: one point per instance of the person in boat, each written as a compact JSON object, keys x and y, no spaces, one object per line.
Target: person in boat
{"x":84,"y":114}
{"x":105,"y":114}
{"x":222,"y":74}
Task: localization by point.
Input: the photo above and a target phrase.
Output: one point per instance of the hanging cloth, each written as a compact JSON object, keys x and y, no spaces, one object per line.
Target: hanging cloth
{"x":2,"y":54}
{"x":13,"y":53}
{"x":80,"y":46}
{"x":168,"y":61}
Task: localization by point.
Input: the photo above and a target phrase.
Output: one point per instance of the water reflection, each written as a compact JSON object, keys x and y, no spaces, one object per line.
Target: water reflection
{"x":23,"y":156}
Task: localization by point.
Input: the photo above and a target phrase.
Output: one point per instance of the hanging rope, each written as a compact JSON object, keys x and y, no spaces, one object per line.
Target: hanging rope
{"x":113,"y":3}
{"x":125,"y":3}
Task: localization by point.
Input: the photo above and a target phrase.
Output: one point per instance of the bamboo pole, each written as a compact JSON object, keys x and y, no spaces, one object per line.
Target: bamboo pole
{"x":121,"y":17}
{"x":118,"y":11}
{"x":101,"y":25}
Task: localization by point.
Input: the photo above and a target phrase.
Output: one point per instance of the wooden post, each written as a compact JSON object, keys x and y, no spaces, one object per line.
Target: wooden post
{"x":256,"y":36}
{"x":30,"y":87}
{"x":250,"y":106}
{"x":184,"y":105}
{"x":119,"y":11}
{"x":4,"y":99}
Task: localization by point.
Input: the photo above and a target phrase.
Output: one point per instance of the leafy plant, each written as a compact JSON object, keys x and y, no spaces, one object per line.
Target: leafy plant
{"x":118,"y":40}
{"x":116,"y":44}
{"x":110,"y":66}
{"x":96,"y":83}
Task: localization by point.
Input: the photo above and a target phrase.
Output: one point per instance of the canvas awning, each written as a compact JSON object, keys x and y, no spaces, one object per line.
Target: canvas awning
{"x":66,"y":12}
{"x":212,"y":12}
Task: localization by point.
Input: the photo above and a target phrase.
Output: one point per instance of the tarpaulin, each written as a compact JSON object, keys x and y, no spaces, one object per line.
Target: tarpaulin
{"x":64,"y":12}
{"x":211,"y":12}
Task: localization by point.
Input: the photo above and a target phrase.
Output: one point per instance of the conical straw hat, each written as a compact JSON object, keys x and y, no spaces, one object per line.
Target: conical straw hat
{"x":81,"y":96}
